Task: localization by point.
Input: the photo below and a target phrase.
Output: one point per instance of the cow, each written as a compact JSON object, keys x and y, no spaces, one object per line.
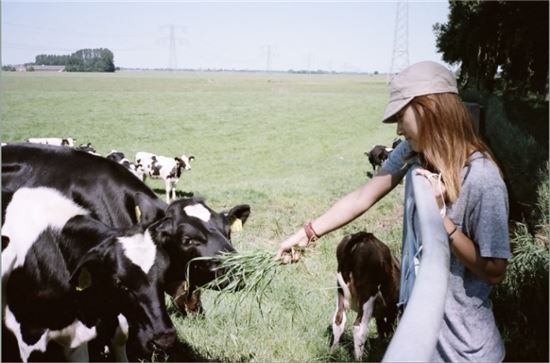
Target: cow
{"x":69,"y":141}
{"x":367,"y":281}
{"x":188,"y":227}
{"x":65,"y":272}
{"x":377,"y":155}
{"x":166,"y":168}
{"x":135,"y":168}
{"x":88,"y":147}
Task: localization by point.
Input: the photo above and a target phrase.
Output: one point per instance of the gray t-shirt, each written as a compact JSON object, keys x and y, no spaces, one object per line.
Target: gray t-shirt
{"x":468,"y":331}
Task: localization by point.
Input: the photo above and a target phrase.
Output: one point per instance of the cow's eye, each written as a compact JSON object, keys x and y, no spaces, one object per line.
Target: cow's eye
{"x":120,"y":285}
{"x":187,"y":241}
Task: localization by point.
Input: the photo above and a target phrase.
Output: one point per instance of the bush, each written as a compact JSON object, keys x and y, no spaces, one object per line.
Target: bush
{"x":521,"y":301}
{"x":519,"y":153}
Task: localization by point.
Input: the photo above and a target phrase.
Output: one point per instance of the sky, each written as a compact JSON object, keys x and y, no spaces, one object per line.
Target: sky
{"x":251,"y":35}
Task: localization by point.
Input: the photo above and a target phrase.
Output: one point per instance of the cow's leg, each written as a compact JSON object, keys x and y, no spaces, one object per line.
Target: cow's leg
{"x":173,"y":189}
{"x":118,"y":343}
{"x":167,"y":190}
{"x":339,"y":319}
{"x":361,"y":326}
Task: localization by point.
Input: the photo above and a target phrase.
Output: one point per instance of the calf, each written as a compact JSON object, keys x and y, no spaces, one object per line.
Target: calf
{"x":135,"y":168}
{"x":65,"y":273}
{"x":69,"y":141}
{"x":377,"y":155}
{"x":166,"y":168}
{"x":368,"y":281}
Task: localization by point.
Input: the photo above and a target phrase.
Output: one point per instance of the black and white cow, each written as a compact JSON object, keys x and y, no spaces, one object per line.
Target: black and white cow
{"x":135,"y":168}
{"x":368,"y":282}
{"x":187,"y":228}
{"x":65,"y":273}
{"x":88,"y":147}
{"x":166,"y":168}
{"x":58,"y":141}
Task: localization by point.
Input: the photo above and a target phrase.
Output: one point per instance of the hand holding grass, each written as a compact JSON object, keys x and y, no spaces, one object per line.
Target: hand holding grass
{"x":291,"y":249}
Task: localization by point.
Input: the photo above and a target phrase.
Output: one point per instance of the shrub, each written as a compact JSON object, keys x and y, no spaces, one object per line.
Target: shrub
{"x":521,"y":301}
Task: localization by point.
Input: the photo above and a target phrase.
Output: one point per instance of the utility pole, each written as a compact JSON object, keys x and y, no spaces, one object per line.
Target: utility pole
{"x":400,"y":55}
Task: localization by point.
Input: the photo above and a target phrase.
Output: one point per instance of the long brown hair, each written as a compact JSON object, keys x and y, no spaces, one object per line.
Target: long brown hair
{"x":446,"y":137}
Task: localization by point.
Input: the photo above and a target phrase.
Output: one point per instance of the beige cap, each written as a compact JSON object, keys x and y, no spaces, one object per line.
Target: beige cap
{"x":420,"y":79}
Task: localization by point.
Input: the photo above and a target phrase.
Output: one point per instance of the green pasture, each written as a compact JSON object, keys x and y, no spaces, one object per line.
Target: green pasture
{"x":287,"y":145}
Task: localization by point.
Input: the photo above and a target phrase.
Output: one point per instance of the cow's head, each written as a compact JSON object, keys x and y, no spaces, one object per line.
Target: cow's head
{"x":125,"y":275}
{"x":191,"y":229}
{"x":185,"y":162}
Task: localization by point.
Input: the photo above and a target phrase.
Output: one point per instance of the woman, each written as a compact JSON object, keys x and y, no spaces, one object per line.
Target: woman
{"x":469,"y":190}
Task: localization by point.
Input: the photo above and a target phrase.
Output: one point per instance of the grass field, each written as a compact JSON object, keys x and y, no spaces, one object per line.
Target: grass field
{"x":287,"y":145}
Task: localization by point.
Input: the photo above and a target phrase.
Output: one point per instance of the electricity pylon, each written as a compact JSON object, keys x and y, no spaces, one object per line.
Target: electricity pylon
{"x":400,"y":54}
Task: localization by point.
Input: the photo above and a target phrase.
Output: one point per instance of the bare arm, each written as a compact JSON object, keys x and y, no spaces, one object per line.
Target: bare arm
{"x":344,"y":210}
{"x":490,"y":269}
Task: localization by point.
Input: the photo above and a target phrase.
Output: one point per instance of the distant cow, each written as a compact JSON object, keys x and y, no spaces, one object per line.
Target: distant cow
{"x":368,"y":281}
{"x":69,"y":141}
{"x":88,"y":147}
{"x":188,"y":227}
{"x":120,"y":158}
{"x":377,"y":155}
{"x":166,"y":168}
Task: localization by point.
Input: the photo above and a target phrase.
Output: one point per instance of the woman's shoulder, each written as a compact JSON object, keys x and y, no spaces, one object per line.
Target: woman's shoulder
{"x":483,"y":172}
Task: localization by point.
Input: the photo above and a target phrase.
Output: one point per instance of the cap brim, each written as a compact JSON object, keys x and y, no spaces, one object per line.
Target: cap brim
{"x":393,"y":108}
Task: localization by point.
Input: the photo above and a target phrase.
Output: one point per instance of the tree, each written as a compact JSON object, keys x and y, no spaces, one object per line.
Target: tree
{"x":83,"y":60}
{"x":498,"y":44}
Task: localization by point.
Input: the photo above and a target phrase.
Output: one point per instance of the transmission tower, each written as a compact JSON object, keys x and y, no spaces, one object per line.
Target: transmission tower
{"x":172,"y":41}
{"x":400,"y":55}
{"x":268,"y":58}
{"x":172,"y":55}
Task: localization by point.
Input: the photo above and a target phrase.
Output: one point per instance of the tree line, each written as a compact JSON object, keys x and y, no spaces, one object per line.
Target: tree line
{"x":83,"y":60}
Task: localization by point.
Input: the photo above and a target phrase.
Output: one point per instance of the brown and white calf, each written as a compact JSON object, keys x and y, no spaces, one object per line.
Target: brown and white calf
{"x":166,"y":168}
{"x":368,"y":282}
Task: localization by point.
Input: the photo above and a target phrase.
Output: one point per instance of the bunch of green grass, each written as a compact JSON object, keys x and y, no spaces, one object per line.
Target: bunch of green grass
{"x":248,"y":275}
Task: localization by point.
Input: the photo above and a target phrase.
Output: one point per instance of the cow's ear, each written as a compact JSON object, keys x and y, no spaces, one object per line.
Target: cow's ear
{"x":191,"y":158}
{"x":81,"y":278}
{"x":237,"y":216}
{"x":146,"y":210}
{"x":162,"y":230}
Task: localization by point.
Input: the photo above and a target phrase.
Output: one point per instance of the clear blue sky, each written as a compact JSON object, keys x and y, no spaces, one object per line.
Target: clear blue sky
{"x":338,"y":36}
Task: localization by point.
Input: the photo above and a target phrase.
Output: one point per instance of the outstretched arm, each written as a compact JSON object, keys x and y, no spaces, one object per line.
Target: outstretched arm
{"x":343,"y":211}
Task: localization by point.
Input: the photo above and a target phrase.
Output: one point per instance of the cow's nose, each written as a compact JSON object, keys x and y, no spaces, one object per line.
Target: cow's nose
{"x":164,"y":341}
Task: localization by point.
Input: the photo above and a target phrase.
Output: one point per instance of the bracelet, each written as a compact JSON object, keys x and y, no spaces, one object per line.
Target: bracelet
{"x":311,"y":235}
{"x":453,"y":231}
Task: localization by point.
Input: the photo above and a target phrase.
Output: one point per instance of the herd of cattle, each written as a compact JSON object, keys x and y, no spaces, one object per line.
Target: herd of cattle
{"x":146,"y":164}
{"x":88,"y":252}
